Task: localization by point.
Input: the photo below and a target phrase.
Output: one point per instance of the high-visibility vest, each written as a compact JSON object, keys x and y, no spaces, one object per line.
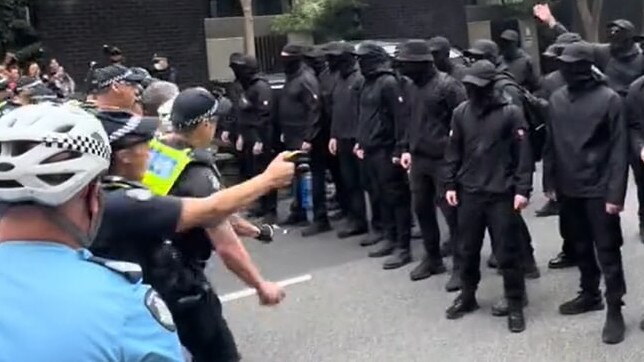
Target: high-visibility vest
{"x":165,"y":167}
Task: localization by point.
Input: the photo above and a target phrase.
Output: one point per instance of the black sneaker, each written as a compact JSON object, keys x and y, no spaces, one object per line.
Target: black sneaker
{"x":561,"y":261}
{"x":372,"y":239}
{"x":400,"y":258}
{"x":501,"y":309}
{"x":516,"y":321}
{"x":385,"y":250}
{"x":551,"y":208}
{"x":426,"y":269}
{"x":614,"y":328}
{"x":352,"y":230}
{"x":584,"y":303}
{"x":454,"y":283}
{"x":462,"y":305}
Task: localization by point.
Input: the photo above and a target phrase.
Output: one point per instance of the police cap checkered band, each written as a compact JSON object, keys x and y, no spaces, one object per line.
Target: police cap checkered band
{"x":81,"y":144}
{"x":126,"y":129}
{"x":115,"y":79}
{"x":193,"y":106}
{"x":199,"y":119}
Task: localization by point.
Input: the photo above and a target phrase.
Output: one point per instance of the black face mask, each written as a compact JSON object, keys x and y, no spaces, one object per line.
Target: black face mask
{"x":369,"y":65}
{"x":419,"y":72}
{"x":318,"y":64}
{"x":244,"y":74}
{"x":480,"y":96}
{"x":509,"y":49}
{"x":291,"y":64}
{"x":345,"y":64}
{"x":620,"y":40}
{"x":577,"y":75}
{"x":441,"y":59}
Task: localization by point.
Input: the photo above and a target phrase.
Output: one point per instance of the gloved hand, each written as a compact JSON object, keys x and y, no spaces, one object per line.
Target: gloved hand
{"x":266,"y":233}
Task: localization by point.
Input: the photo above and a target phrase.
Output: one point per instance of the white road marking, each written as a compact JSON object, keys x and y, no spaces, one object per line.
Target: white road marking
{"x":244,"y":293}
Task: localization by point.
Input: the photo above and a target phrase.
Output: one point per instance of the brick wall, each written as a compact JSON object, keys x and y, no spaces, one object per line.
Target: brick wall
{"x":74,"y":31}
{"x":415,"y":19}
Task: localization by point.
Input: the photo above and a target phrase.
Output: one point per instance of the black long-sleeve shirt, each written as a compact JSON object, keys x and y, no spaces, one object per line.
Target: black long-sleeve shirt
{"x":634,"y":113}
{"x":300,"y":108}
{"x":488,"y":150}
{"x":345,"y":100}
{"x":586,"y":151}
{"x":255,"y":112}
{"x":381,"y":125}
{"x":431,"y":115}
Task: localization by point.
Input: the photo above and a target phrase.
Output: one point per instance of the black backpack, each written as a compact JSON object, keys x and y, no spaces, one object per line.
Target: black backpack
{"x":536,"y":114}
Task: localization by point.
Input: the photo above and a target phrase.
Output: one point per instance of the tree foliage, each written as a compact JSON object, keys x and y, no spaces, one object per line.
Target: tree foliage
{"x":323,"y":18}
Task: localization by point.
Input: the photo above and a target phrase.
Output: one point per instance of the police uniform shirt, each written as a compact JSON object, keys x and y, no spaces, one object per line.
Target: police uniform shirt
{"x":59,"y":306}
{"x":134,"y":223}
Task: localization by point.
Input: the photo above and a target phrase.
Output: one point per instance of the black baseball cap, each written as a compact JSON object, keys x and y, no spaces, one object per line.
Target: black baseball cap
{"x":510,"y":35}
{"x":555,"y":50}
{"x":578,"y":52}
{"x":125,"y":129}
{"x":622,"y":24}
{"x":483,"y":47}
{"x":369,"y":48}
{"x":295,"y":50}
{"x":339,"y":47}
{"x":439,"y":43}
{"x":481,"y":73}
{"x":414,"y":51}
{"x":115,"y":73}
{"x":196,"y":105}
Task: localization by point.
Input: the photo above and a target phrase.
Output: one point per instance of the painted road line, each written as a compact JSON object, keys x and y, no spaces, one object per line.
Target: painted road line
{"x":244,"y":293}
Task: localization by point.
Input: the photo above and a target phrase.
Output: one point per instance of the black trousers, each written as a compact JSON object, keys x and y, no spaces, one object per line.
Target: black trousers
{"x":638,"y":175}
{"x":597,"y":237}
{"x":354,"y":193}
{"x":390,"y":182}
{"x":253,"y":165}
{"x":202,"y":329}
{"x":427,"y":193}
{"x":568,"y":245}
{"x":522,"y":234}
{"x":476,"y":212}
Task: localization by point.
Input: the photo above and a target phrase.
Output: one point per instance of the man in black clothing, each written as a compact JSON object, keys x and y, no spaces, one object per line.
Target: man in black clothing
{"x":300,"y":119}
{"x":344,"y":123}
{"x":441,"y":49}
{"x":549,"y":84}
{"x":436,"y":96}
{"x":586,"y":167}
{"x":255,"y":112}
{"x":519,"y":62}
{"x":381,"y":130}
{"x":489,"y":176}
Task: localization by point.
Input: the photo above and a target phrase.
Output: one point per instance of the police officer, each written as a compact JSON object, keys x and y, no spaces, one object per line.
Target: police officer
{"x":586,"y":166}
{"x":300,"y":118}
{"x":441,"y":49}
{"x":99,"y":307}
{"x":344,"y":124}
{"x":489,"y":177}
{"x":519,"y":62}
{"x":549,"y":84}
{"x":117,"y":87}
{"x":380,"y":137}
{"x":436,"y":96}
{"x":32,"y":91}
{"x":255,"y":112}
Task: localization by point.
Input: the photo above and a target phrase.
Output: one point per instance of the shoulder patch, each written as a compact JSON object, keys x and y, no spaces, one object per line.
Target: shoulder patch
{"x":139,"y":194}
{"x":159,"y":310}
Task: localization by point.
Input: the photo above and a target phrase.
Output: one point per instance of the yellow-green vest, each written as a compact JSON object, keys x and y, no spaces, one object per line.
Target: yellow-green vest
{"x":165,"y":167}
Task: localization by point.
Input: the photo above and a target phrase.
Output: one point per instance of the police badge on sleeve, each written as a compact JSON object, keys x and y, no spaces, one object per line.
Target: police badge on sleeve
{"x":159,"y":310}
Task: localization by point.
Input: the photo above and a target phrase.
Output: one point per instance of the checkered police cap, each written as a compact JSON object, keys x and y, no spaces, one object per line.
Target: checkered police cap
{"x":192,"y":107}
{"x":80,"y":144}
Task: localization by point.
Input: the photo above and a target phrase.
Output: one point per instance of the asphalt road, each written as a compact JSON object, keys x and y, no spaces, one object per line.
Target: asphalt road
{"x":352,"y":310}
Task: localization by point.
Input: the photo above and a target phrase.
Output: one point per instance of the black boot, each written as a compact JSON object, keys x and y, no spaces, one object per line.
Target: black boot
{"x":501,"y":308}
{"x":372,"y":239}
{"x":463,"y":304}
{"x":561,"y":261}
{"x":530,"y":269}
{"x":614,"y":328}
{"x":584,"y":303}
{"x":318,"y":227}
{"x":352,"y":229}
{"x":385,"y":250}
{"x":296,"y":219}
{"x":491,"y":262}
{"x":426,"y":269}
{"x":516,"y":319}
{"x":400,"y":258}
{"x":454,"y":282}
{"x":551,"y":208}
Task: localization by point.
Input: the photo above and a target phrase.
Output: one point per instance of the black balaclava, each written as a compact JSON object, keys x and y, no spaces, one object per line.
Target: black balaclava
{"x":291,"y":64}
{"x":509,"y":49}
{"x":318,"y":64}
{"x":344,"y":64}
{"x":419,"y":72}
{"x":481,"y":97}
{"x":245,"y":74}
{"x":442,"y":61}
{"x":621,"y":40}
{"x":578,"y":74}
{"x":370,"y":64}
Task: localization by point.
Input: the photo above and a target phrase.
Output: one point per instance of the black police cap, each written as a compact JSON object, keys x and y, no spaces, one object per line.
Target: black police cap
{"x":125,"y":129}
{"x":196,"y":105}
{"x":105,"y":77}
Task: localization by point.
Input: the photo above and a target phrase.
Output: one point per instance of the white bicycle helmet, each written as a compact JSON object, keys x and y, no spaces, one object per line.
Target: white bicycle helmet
{"x":31,"y":138}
